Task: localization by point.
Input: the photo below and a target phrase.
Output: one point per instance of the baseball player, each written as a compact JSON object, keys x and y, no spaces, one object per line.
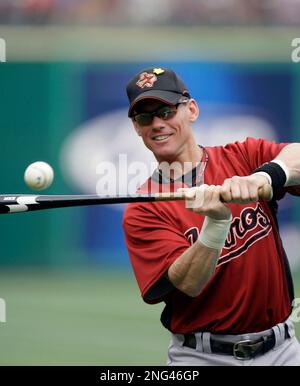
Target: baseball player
{"x":220,"y":268}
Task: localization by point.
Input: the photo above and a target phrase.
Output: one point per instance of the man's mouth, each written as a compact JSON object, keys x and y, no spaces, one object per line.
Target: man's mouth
{"x":161,"y":137}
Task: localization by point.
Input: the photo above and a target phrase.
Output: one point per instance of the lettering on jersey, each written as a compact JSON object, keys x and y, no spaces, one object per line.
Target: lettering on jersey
{"x":192,"y":235}
{"x":250,"y":218}
{"x":252,"y":225}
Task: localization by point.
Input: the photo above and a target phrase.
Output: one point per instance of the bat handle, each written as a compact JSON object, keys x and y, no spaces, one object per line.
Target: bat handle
{"x":264,"y":193}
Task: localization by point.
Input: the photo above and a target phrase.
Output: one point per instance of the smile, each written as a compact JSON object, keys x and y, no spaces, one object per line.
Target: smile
{"x":161,"y":137}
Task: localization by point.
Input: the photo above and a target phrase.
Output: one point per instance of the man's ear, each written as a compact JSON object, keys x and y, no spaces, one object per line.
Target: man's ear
{"x":193,"y":110}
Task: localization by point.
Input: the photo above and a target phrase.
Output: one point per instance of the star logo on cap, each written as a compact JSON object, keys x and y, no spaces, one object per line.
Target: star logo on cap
{"x":146,"y":79}
{"x":158,"y":71}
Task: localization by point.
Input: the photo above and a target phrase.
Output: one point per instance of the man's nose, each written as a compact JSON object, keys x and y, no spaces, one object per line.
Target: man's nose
{"x":158,"y":123}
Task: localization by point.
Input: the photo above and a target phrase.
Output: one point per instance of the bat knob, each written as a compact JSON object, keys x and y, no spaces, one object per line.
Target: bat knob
{"x":265,"y":192}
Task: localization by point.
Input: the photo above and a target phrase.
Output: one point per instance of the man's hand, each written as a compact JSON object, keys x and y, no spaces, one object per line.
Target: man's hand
{"x":191,"y":271}
{"x":242,"y":189}
{"x":209,"y":200}
{"x":206,"y":200}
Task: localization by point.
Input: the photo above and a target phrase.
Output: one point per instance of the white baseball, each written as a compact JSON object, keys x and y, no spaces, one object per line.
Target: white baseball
{"x":39,"y":175}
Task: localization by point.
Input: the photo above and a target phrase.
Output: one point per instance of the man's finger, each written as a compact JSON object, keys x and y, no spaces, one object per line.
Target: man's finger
{"x":196,"y":196}
{"x":226,"y":191}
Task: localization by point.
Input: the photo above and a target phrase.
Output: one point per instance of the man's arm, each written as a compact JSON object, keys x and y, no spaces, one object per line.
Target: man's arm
{"x":191,"y":271}
{"x":290,"y":155}
{"x":245,"y":189}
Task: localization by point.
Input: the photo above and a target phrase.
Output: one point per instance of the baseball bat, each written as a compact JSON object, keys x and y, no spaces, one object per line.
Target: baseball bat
{"x":15,"y":203}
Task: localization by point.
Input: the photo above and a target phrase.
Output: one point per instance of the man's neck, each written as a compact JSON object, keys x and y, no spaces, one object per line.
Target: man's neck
{"x":182,"y":164}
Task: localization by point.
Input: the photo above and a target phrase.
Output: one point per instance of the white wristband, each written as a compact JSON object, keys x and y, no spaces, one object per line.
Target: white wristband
{"x":214,"y":232}
{"x":284,"y":168}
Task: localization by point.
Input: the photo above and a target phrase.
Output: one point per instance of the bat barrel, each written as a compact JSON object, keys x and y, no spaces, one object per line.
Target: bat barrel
{"x":23,"y":203}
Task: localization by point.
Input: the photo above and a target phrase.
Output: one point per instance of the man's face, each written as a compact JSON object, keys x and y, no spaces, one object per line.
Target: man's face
{"x":167,"y":139}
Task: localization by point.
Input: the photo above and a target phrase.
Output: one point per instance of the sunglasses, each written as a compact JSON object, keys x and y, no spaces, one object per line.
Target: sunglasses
{"x":165,"y":113}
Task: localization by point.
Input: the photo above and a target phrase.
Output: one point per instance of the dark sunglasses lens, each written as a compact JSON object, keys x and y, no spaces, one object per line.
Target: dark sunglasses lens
{"x":166,"y":113}
{"x":143,"y":119}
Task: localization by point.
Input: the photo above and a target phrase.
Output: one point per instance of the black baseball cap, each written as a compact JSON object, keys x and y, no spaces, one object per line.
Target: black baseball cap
{"x":156,"y":83}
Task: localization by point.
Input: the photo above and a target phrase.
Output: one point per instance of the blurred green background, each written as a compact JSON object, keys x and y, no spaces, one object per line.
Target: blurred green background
{"x":63,"y":307}
{"x":80,"y":318}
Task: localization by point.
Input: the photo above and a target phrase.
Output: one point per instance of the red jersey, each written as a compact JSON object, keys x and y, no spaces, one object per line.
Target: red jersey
{"x":251,"y":289}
